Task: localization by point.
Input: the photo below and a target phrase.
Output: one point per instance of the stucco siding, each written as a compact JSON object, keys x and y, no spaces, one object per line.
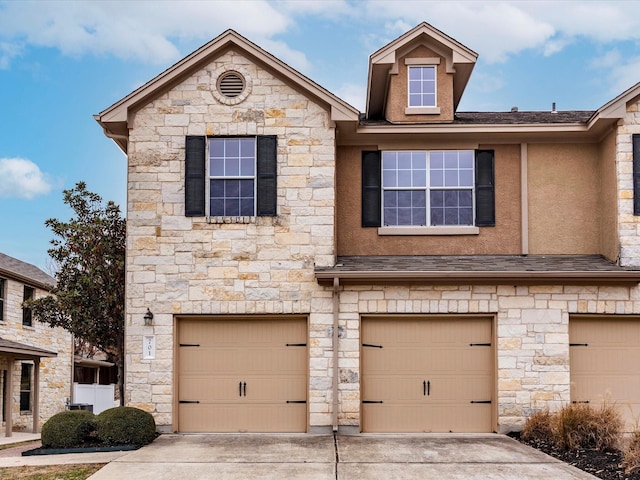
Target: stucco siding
{"x":564,"y":200}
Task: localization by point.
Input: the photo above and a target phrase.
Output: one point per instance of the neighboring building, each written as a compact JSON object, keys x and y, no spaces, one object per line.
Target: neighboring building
{"x":35,"y":360}
{"x":412,"y":268}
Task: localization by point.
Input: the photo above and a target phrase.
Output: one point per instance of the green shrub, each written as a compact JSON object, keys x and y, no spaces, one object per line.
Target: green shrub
{"x":69,"y":429}
{"x":125,"y":426}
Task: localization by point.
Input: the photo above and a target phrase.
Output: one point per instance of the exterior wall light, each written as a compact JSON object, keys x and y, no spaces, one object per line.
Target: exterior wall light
{"x":148,"y":318}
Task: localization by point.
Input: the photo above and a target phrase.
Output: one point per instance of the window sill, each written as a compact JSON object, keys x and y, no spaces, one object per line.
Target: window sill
{"x":454,"y":230}
{"x":229,"y":220}
{"x":422,"y":111}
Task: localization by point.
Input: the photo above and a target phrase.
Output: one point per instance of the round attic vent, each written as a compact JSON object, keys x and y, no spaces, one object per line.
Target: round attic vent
{"x":231,"y":84}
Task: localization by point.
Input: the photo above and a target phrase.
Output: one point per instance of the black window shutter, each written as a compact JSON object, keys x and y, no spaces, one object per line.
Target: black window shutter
{"x":635,"y":139}
{"x":371,"y":188}
{"x":267,"y":163}
{"x":485,"y":190}
{"x":194,"y":179}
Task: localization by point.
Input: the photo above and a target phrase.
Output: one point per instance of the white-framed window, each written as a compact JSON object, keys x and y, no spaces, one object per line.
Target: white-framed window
{"x":232,"y":176}
{"x":428,"y":188}
{"x":422,"y":86}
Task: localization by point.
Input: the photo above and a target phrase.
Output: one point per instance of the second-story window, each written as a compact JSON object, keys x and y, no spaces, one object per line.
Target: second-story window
{"x":27,"y":316}
{"x":232,"y":169}
{"x":422,"y":188}
{"x":422,"y":86}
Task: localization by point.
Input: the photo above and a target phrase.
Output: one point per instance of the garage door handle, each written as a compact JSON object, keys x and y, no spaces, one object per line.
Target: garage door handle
{"x":240,"y":389}
{"x":244,"y":387}
{"x":426,"y":388}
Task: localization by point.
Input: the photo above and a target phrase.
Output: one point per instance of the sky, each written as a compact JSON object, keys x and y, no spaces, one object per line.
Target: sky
{"x":61,"y":62}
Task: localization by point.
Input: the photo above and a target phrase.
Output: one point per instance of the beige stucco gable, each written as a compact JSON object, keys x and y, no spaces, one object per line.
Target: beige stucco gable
{"x":116,"y":120}
{"x":456,"y":60}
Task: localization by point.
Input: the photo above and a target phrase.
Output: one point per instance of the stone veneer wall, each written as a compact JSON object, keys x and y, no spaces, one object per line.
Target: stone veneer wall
{"x":532,"y":336}
{"x":628,"y":224}
{"x":265,"y":265}
{"x":55,"y":372}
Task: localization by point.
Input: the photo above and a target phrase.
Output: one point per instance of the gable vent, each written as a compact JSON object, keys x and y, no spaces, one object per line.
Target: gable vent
{"x":231,"y":84}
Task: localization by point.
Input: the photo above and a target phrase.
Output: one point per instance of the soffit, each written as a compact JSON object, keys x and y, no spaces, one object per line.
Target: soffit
{"x":478,"y":269}
{"x":461,"y":61}
{"x":115,"y":119}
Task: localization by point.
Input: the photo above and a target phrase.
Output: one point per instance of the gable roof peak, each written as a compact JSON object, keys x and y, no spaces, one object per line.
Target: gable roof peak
{"x":115,"y":119}
{"x":459,"y":58}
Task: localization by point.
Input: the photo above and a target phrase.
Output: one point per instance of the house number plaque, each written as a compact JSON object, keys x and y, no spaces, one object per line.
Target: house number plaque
{"x":148,"y":347}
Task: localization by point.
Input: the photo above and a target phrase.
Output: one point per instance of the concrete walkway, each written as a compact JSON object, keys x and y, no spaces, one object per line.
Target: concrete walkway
{"x":321,"y":457}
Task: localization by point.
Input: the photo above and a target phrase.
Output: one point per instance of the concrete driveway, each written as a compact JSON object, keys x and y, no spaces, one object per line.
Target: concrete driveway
{"x":323,"y":457}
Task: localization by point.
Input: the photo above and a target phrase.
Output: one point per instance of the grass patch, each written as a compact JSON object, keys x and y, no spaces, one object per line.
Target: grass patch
{"x":50,"y":472}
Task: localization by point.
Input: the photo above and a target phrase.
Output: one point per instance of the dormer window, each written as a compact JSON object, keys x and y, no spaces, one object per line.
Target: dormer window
{"x":422,"y":86}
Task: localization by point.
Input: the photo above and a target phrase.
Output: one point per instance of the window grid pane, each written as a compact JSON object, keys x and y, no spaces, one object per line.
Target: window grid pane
{"x":428,"y":188}
{"x":232,"y":168}
{"x":422,"y":86}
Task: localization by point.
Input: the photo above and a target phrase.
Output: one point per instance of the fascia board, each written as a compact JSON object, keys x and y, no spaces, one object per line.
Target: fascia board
{"x":479,"y":128}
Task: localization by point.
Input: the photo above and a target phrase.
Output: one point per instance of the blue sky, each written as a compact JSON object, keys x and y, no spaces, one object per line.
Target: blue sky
{"x":62,"y":62}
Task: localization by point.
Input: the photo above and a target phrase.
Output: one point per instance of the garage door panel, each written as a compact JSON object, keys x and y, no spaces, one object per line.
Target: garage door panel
{"x":204,"y":418}
{"x":200,"y":359}
{"x":243,"y":373}
{"x":426,"y":374}
{"x":208,"y":389}
{"x":604,"y":359}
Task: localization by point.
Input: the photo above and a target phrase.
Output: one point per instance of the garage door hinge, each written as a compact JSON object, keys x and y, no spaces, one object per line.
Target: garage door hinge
{"x":189,"y":401}
{"x":580,"y":401}
{"x":371,"y":345}
{"x":372,"y":401}
{"x":578,"y":344}
{"x":479,"y":344}
{"x":189,"y":344}
{"x":296,"y":401}
{"x":296,"y":344}
{"x":480,"y":401}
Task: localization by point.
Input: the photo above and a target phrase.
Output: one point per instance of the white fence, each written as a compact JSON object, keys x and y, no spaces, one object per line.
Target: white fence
{"x":100,"y":396}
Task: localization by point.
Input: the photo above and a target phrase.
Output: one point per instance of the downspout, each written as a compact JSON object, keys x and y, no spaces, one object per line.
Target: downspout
{"x":336,"y":308}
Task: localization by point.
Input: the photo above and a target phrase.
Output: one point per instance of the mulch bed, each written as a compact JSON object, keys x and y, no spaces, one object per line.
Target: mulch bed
{"x":604,"y":465}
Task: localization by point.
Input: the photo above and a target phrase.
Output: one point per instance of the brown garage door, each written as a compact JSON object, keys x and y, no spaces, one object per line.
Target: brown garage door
{"x":245,"y":375}
{"x":604,"y":356}
{"x":427,"y":374}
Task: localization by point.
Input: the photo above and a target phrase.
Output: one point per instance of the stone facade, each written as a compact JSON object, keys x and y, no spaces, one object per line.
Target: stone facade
{"x":194,"y":265}
{"x":628,"y":224}
{"x":55,"y":372}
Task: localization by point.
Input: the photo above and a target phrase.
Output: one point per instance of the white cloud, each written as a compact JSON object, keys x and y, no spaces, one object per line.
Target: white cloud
{"x":354,"y":94}
{"x":145,"y":31}
{"x":21,"y":178}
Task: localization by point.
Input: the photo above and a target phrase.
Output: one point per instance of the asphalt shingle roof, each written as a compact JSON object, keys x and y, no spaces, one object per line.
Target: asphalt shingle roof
{"x":24,"y":272}
{"x":579,"y":269}
{"x":510,"y":118}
